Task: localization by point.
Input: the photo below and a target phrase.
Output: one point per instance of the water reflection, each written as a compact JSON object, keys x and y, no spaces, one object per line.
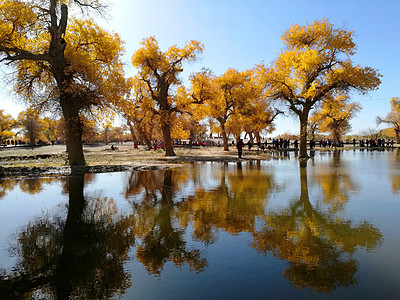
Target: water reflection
{"x":160,"y":240}
{"x":318,"y":245}
{"x":31,"y":186}
{"x":395,"y":178}
{"x":81,"y":256}
{"x":335,"y":181}
{"x":233,"y":205}
{"x":80,"y":253}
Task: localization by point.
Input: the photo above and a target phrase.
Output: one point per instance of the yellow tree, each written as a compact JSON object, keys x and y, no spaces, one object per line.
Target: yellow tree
{"x":316,"y":63}
{"x":160,"y":71}
{"x":235,"y":90}
{"x":31,"y":124}
{"x":393,"y":117}
{"x":6,"y":124}
{"x":223,"y":95}
{"x":335,"y":114}
{"x":258,"y":113}
{"x":61,"y":66}
{"x":193,"y":111}
{"x":50,"y":129}
{"x":138,"y":111}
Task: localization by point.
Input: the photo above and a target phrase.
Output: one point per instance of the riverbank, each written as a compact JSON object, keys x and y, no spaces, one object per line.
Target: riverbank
{"x":52,"y":160}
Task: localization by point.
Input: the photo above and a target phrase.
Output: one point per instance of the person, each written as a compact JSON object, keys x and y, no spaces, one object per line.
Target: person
{"x":240,"y":146}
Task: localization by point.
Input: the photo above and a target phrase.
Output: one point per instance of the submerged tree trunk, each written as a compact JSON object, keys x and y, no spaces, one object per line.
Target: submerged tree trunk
{"x":303,"y":135}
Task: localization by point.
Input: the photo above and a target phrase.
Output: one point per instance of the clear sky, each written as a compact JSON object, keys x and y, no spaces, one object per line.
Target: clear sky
{"x":242,"y":33}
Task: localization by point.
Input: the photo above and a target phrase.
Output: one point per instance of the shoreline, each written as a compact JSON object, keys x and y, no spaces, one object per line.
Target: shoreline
{"x":52,"y":160}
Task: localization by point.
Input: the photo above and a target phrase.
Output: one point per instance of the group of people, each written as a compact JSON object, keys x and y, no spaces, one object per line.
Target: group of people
{"x":329,"y":143}
{"x":375,"y":143}
{"x":276,"y":143}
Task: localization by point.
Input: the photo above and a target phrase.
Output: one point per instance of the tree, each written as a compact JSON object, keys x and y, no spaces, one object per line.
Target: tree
{"x":335,"y":114}
{"x":58,"y":69}
{"x":138,"y":111}
{"x":393,"y":117}
{"x":160,"y":70}
{"x":31,"y":124}
{"x":224,"y":95}
{"x":6,"y":124}
{"x":315,"y":64}
{"x":50,"y":129}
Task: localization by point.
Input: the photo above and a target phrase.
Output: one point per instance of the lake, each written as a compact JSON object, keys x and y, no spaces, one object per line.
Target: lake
{"x":272,"y":229}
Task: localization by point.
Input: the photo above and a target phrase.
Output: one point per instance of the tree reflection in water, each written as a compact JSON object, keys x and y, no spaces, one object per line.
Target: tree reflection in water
{"x":395,"y":177}
{"x":318,"y":245}
{"x":335,"y":181}
{"x":233,"y":206}
{"x":160,"y":240}
{"x":80,"y":257}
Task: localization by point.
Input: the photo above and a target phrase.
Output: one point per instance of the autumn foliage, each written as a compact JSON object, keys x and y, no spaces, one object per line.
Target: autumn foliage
{"x":72,"y":66}
{"x":315,"y":64}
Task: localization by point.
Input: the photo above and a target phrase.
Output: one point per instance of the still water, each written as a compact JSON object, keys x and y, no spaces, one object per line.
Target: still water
{"x":253,"y":230}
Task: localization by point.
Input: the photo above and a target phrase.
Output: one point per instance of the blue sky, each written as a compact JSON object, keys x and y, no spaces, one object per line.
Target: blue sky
{"x":242,"y":33}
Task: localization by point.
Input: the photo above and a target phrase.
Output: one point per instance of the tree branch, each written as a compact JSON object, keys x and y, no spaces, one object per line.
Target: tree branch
{"x":16,"y":54}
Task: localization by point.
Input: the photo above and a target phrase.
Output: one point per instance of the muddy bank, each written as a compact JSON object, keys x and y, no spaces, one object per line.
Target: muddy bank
{"x":12,"y":172}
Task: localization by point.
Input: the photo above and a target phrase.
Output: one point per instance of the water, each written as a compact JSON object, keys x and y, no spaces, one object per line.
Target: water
{"x":252,"y":230}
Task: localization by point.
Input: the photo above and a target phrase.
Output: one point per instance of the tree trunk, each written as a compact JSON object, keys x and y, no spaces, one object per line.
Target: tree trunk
{"x":166,"y":131}
{"x":224,"y":137}
{"x":191,"y":136}
{"x":257,"y":135}
{"x":145,"y":137}
{"x":132,"y":130}
{"x":106,"y":135}
{"x":251,"y":137}
{"x":74,"y":135}
{"x":303,"y":135}
{"x":397,"y":132}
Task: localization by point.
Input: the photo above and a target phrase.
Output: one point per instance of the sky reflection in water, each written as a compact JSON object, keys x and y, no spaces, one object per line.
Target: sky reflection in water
{"x":272,"y":229}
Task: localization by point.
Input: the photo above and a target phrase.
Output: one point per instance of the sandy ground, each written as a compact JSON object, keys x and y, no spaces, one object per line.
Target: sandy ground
{"x":56,"y":156}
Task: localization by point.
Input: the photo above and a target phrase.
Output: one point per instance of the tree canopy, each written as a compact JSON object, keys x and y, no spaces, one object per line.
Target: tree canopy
{"x":315,"y":63}
{"x":160,"y":72}
{"x":62,"y":63}
{"x":393,"y":117}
